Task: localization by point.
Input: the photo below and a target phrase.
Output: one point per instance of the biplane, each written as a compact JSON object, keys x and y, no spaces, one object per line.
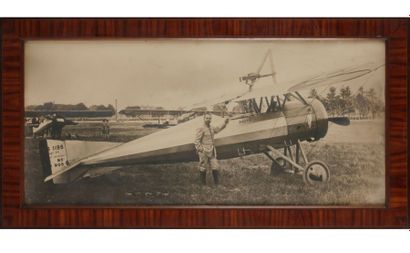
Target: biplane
{"x":271,"y":122}
{"x":52,"y":124}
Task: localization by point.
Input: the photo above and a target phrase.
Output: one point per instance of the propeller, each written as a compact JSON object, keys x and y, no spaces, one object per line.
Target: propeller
{"x":342,"y":121}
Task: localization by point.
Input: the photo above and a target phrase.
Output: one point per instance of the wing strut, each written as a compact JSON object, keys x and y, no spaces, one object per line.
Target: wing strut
{"x":301,"y":98}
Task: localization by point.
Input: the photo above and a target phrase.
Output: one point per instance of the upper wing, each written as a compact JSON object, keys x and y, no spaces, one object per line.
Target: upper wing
{"x":339,"y":76}
{"x":325,"y":79}
{"x":336,"y":77}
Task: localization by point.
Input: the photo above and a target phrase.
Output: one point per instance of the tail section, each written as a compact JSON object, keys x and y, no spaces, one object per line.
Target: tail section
{"x":62,"y":158}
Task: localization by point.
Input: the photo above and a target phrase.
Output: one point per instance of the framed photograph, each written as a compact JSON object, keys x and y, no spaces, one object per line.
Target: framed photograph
{"x":204,"y":123}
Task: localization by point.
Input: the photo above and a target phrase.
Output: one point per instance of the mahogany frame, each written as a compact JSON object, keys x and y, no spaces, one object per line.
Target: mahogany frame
{"x":13,"y":214}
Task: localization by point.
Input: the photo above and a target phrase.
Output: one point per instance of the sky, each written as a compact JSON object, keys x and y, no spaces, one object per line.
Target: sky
{"x":180,"y":72}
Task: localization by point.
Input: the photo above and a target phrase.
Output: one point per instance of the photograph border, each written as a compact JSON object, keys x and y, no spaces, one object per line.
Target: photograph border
{"x":14,"y":214}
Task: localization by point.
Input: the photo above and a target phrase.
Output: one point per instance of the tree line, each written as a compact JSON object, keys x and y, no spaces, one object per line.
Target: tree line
{"x":50,"y":106}
{"x":362,"y":104}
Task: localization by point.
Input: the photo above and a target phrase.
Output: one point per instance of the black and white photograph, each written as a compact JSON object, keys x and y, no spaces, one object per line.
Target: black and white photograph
{"x":214,"y":122}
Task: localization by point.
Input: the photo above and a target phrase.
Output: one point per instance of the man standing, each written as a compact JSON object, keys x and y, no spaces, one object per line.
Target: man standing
{"x":204,"y":144}
{"x":56,"y":126}
{"x":105,"y":129}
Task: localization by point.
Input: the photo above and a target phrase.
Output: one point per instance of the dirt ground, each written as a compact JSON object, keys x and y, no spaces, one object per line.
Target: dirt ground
{"x":354,"y":154}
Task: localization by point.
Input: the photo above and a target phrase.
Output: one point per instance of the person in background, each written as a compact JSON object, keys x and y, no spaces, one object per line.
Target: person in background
{"x":106,"y":129}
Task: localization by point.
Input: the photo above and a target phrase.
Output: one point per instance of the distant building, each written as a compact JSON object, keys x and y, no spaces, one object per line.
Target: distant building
{"x":71,"y":113}
{"x":79,"y":110}
{"x":154,"y":113}
{"x":150,"y":114}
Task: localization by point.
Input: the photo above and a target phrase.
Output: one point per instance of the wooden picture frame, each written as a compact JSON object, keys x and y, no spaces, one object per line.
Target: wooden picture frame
{"x":13,"y":33}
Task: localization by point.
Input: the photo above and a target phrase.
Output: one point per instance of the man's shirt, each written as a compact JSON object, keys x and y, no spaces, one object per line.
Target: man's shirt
{"x":204,"y":139}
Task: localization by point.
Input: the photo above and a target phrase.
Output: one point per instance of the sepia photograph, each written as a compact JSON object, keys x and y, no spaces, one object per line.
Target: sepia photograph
{"x":215,"y":122}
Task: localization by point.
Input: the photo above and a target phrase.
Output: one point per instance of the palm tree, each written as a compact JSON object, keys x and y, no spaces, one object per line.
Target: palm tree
{"x":373,"y":103}
{"x":346,"y":100}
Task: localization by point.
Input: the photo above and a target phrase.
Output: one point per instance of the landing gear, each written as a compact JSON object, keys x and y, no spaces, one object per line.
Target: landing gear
{"x":280,"y":166}
{"x":277,"y":166}
{"x":315,"y":172}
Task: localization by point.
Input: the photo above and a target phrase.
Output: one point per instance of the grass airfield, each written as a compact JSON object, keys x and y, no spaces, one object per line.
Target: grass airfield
{"x":354,"y":154}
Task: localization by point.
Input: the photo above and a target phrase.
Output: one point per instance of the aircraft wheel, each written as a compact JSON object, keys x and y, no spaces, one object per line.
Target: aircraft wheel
{"x":316,"y":172}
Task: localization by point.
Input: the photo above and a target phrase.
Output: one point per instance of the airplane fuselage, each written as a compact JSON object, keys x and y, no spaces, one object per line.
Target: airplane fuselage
{"x":250,"y":135}
{"x":290,"y":122}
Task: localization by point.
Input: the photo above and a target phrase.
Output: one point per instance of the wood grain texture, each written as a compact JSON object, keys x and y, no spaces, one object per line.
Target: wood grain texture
{"x":408,"y":116}
{"x":15,"y":31}
{"x":1,"y":124}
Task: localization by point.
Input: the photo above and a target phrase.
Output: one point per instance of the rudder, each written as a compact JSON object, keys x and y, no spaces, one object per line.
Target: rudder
{"x":60,"y":157}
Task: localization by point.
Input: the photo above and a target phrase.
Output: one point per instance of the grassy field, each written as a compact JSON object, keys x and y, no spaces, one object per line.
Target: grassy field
{"x":357,"y":176}
{"x":120,"y":131}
